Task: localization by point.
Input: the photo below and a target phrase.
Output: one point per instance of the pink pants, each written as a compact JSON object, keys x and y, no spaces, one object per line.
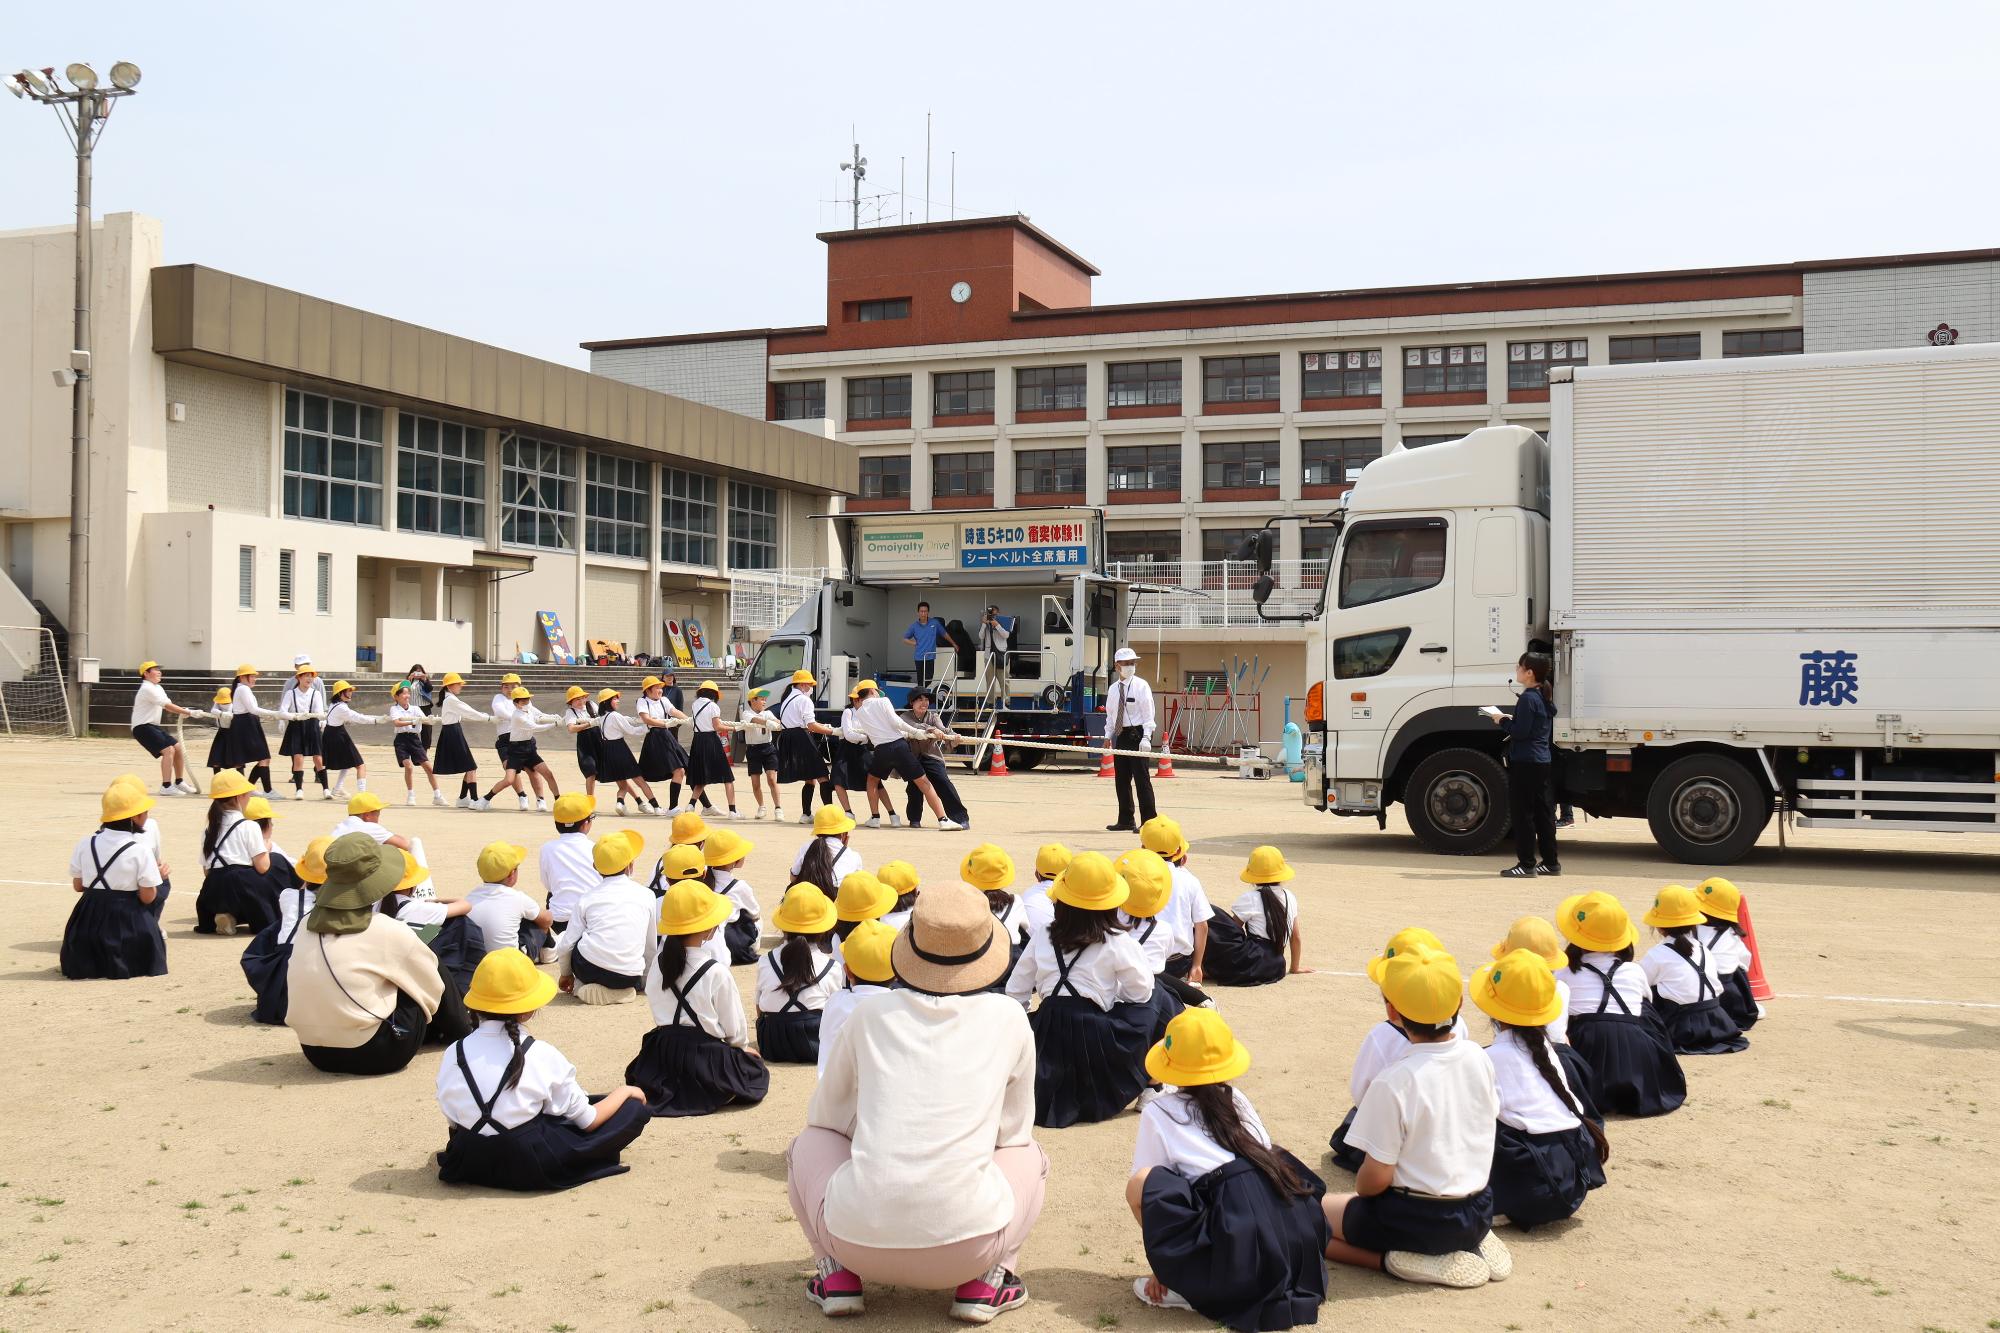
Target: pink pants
{"x":817,"y":1153}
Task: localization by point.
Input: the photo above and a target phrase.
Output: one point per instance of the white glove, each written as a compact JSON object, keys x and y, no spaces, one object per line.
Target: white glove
{"x":1146,"y":743}
{"x":296,"y":717}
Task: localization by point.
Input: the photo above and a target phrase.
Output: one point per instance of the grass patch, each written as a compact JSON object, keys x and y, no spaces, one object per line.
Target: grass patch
{"x":23,"y":1287}
{"x":395,"y":1307}
{"x":315,"y":1296}
{"x":193,"y":1205}
{"x":1777,"y":1103}
{"x":655,"y":1306}
{"x":358,"y":1309}
{"x":42,"y":1201}
{"x":429,"y":1320}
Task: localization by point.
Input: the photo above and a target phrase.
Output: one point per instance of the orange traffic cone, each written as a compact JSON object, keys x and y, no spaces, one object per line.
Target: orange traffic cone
{"x":1166,"y":768}
{"x":1104,"y":769}
{"x":998,"y":768}
{"x":1760,"y":989}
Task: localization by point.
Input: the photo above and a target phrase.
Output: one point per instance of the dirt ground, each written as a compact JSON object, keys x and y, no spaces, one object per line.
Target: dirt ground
{"x":171,"y":1165}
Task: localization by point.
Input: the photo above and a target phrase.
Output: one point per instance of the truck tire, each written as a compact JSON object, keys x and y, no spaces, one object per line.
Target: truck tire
{"x":1020,"y":760}
{"x":1457,"y":802}
{"x":1707,"y":809}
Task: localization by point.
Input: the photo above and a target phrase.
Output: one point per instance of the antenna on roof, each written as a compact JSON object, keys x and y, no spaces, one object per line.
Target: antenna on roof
{"x":858,"y":168}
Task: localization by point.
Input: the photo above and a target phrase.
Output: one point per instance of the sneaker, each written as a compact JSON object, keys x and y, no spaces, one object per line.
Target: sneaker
{"x":437,"y":798}
{"x":777,"y":815}
{"x":663,"y":812}
{"x":895,"y":820}
{"x":547,"y":955}
{"x":1565,"y":823}
{"x":621,"y":809}
{"x":1461,"y":1269}
{"x":1548,"y":870}
{"x":298,"y":793}
{"x":188,"y":788}
{"x":524,"y":802}
{"x":984,"y":1299}
{"x":1149,"y":1096}
{"x":835,"y":1291}
{"x":733,"y":814}
{"x":543,"y":805}
{"x":805,"y":819}
{"x":482,"y":804}
{"x":759,"y":814}
{"x":409,"y":798}
{"x":329,"y":794}
{"x":225,"y":924}
{"x":1518,"y":872}
{"x":169,"y":789}
{"x":874,"y":821}
{"x":950,"y":826}
{"x":1169,"y":1298}
{"x":1493,"y":1253}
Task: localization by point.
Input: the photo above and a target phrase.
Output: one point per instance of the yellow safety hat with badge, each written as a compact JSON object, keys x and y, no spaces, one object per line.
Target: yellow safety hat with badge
{"x":230,"y":784}
{"x":258,"y":808}
{"x":986,"y":867}
{"x":575,"y":692}
{"x":1051,"y":859}
{"x":606,"y":696}
{"x":1162,"y":835}
{"x":1091,"y":883}
{"x":575,"y":808}
{"x":649,"y":682}
{"x":1409,"y":937}
{"x":1198,"y":1049}
{"x":725,"y":847}
{"x":510,"y":679}
{"x":900,"y":876}
{"x":1538,"y":937}
{"x":1518,"y":989}
{"x":614,"y":852}
{"x":1595,"y":922}
{"x":1150,"y":881}
{"x":866,"y":952}
{"x":689,"y":907}
{"x":688,"y":827}
{"x":451,"y":678}
{"x":1674,"y":905}
{"x":804,"y":911}
{"x":497,"y":860}
{"x":863,"y":897}
{"x":414,"y":872}
{"x":803,"y":677}
{"x":1267,"y":866}
{"x":123,"y":800}
{"x":312,"y":866}
{"x":1423,"y":985}
{"x":222,"y":696}
{"x":521,"y":692}
{"x":1721,"y":900}
{"x":341,"y":687}
{"x":508,"y":982}
{"x":830,"y":821}
{"x":146,"y":666}
{"x":365,"y":803}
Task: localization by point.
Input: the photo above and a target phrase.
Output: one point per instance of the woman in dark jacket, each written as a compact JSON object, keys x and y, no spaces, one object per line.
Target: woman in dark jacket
{"x":1530,"y":728}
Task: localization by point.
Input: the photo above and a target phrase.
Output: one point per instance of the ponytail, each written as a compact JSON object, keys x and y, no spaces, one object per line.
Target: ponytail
{"x":1544,"y":670}
{"x":1001,"y":901}
{"x":1536,"y":1039}
{"x":519,"y":1062}
{"x":1277,"y":919}
{"x":217,"y":812}
{"x":795,"y":958}
{"x":817,"y":867}
{"x":1215,"y":1103}
{"x":1681,"y":940}
{"x":671,"y":958}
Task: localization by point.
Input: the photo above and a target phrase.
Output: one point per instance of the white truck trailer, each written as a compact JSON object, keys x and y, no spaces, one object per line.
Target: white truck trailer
{"x":1768,"y":584}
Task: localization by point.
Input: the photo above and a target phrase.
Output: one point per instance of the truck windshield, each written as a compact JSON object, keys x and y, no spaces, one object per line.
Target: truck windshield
{"x":1391,"y":559}
{"x":777,"y":661}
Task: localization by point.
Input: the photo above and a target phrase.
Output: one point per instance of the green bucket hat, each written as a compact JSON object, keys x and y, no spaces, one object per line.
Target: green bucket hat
{"x":358,"y":876}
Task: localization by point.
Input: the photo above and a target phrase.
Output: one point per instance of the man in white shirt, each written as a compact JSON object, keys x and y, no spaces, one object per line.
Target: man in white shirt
{"x":877,"y":719}
{"x":1128,"y":725}
{"x":147,"y":707}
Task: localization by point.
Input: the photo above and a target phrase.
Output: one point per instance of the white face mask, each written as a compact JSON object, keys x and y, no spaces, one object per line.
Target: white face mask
{"x":1125,"y":670}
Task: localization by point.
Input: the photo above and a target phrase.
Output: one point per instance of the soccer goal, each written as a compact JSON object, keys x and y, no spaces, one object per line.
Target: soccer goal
{"x":33,"y":697}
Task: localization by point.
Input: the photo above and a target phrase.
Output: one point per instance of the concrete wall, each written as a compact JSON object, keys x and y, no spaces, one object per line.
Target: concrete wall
{"x":219,"y":455}
{"x":1855,"y":309}
{"x":405,"y":641}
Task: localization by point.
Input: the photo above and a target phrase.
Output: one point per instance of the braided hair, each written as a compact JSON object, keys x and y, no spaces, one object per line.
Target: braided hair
{"x":1680,"y":939}
{"x":519,"y":1061}
{"x":1536,"y":1039}
{"x":1277,"y":919}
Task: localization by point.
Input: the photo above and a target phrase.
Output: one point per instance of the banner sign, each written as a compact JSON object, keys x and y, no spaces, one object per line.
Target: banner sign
{"x":1061,"y":544}
{"x":552,"y":630}
{"x":904,"y":544}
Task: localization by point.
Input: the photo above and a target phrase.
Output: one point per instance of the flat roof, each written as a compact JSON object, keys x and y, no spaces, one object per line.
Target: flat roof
{"x":1018,"y":221}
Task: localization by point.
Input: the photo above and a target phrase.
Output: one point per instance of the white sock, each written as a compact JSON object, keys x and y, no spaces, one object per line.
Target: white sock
{"x":361,"y":784}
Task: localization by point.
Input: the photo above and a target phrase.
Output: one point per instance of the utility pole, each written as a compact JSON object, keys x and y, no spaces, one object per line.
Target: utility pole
{"x":858,"y":168}
{"x":927,"y":166}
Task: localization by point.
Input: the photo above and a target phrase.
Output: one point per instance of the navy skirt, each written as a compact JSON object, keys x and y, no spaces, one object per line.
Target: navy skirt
{"x":741,"y":937}
{"x":789,"y":1039}
{"x":799,"y":757}
{"x":237,"y":891}
{"x":218,"y":749}
{"x":615,"y":762}
{"x":301,"y":738}
{"x":587,"y":745}
{"x":1632,"y":1064}
{"x":112,"y":936}
{"x":1581,"y":1078}
{"x":1399,"y":1220}
{"x":1090,"y":1063}
{"x":686,"y":1071}
{"x":337,"y":748}
{"x":157,"y":740}
{"x":546,"y":1153}
{"x":267,"y":964}
{"x":1345,"y":1155}
{"x":410,"y":749}
{"x":1737,"y":1001}
{"x":1166,"y":1006}
{"x":453,"y":754}
{"x":708,"y":762}
{"x":1235,"y":957}
{"x":661,"y":755}
{"x":247,"y":744}
{"x":1242,"y":1254}
{"x":1542,"y":1178}
{"x":850,"y":764}
{"x":1701,"y":1028}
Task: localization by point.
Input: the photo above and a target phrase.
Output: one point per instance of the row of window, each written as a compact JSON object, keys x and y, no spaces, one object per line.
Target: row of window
{"x":246,"y":580}
{"x":1163,"y":545}
{"x":333,"y":472}
{"x":1348,"y":373}
{"x":1130,"y":467}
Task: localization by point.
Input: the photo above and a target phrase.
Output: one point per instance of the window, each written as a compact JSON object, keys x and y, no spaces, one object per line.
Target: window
{"x":962,"y":393}
{"x":799,"y":400}
{"x":323,"y":601}
{"x":284,"y":580}
{"x":1342,"y":374}
{"x":1393,"y":559}
{"x":1143,"y":467}
{"x":873,"y":312}
{"x":537,"y":493}
{"x":1656,"y":347}
{"x":333,"y":460}
{"x":753,"y":526}
{"x":1225,"y":543}
{"x":1316,"y":548}
{"x":1044,"y":471}
{"x":1154,"y":547}
{"x":1528,"y":363}
{"x":246,"y":578}
{"x":961,"y":474}
{"x":1367,"y":654}
{"x":878,"y":398}
{"x":1764,"y":342}
{"x":1337,"y":462}
{"x":1050,"y":389}
{"x":1458,"y":368}
{"x":687,"y":518}
{"x":1144,"y":384}
{"x":885,"y":478}
{"x":1239,"y":379}
{"x":1239,"y":464}
{"x":1425,"y":441}
{"x":617,"y":492}
{"x":440,"y":477}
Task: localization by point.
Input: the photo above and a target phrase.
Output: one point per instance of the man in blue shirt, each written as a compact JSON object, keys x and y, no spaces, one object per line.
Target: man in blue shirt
{"x":922,"y":635}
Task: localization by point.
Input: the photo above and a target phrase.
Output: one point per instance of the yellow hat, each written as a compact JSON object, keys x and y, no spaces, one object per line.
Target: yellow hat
{"x":400,"y":687}
{"x":830,"y":821}
{"x":986,"y":867}
{"x":1162,"y":835}
{"x":365,"y":803}
{"x":575,"y":692}
{"x":1198,"y":1049}
{"x":688,"y":826}
{"x":863,"y":897}
{"x":1538,"y":937}
{"x":146,"y":666}
{"x":312,"y":866}
{"x":247,"y":670}
{"x":452,"y":678}
{"x":122,"y":800}
{"x":1674,"y":905}
{"x":508,"y":982}
{"x":606,"y":696}
{"x":510,"y":679}
{"x":1424,"y":985}
{"x":521,"y":692}
{"x":613,"y":852}
{"x":1595,"y":922}
{"x":900,"y":876}
{"x":1051,"y":859}
{"x":303,"y":669}
{"x":866,"y":952}
{"x":575,"y":808}
{"x":228,"y":785}
{"x":725,"y":847}
{"x":1409,"y":937}
{"x":650,"y":681}
{"x":689,"y":907}
{"x":497,"y":860}
{"x":683,"y":861}
{"x":1091,"y":883}
{"x":708,"y":685}
{"x":868,"y":684}
{"x":804,"y":911}
{"x":1720,"y":899}
{"x":341,"y":687}
{"x":222,"y":696}
{"x":1150,"y":879}
{"x":258,"y":808}
{"x":413,"y":874}
{"x":1520,"y":989}
{"x":1267,"y":866}
{"x":803,"y":677}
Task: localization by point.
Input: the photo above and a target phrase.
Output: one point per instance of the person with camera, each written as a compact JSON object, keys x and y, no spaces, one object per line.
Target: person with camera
{"x":996,"y":635}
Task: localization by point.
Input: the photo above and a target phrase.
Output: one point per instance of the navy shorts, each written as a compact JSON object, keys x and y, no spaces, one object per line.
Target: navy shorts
{"x":157,"y":740}
{"x":761,"y":758}
{"x":1398,"y":1220}
{"x":896,"y":758}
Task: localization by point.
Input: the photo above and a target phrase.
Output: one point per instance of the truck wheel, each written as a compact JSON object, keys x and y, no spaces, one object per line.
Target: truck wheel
{"x":1021,"y":760}
{"x":1707,"y":809}
{"x":1457,"y":802}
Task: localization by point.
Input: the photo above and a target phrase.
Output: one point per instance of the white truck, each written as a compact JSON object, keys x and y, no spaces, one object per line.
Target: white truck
{"x":1769,"y":584}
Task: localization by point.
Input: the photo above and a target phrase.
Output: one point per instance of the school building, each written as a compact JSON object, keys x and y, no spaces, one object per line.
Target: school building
{"x":273,"y":473}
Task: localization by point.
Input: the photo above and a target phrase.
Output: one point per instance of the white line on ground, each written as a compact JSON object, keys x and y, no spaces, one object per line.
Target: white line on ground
{"x":38,"y":883}
{"x":1846,"y":999}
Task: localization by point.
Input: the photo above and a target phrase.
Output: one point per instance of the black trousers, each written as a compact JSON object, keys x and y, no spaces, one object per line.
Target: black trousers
{"x":1134,"y":775}
{"x":940,"y":776}
{"x":1533,"y":803}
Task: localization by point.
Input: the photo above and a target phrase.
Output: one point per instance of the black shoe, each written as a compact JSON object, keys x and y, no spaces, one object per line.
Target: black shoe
{"x":1565,"y":823}
{"x":1518,"y":872}
{"x":1548,"y":870}
{"x":1120,"y":828}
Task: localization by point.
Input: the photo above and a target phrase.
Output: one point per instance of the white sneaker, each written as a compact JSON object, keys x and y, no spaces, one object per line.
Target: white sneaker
{"x":409,"y":798}
{"x":482,"y":804}
{"x":329,"y":794}
{"x":188,"y":788}
{"x":1499,"y":1263}
{"x":1172,"y":1300}
{"x":734,"y":815}
{"x":543,"y":805}
{"x":225,"y":924}
{"x":950,"y":826}
{"x":169,"y":789}
{"x":663,"y":812}
{"x":524,"y":802}
{"x":1461,"y":1269}
{"x":895,"y":820}
{"x":621,"y":809}
{"x":805,"y":819}
{"x":437,"y":797}
{"x":759,"y":814}
{"x":777,"y":815}
{"x":299,"y":793}
{"x":465,"y":803}
{"x":874,"y":821}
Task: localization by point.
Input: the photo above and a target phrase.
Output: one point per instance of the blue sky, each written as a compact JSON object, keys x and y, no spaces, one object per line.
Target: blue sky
{"x":534,"y":175}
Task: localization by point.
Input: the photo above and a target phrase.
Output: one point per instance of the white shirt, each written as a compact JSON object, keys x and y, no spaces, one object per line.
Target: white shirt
{"x":356,"y":824}
{"x":148,"y":704}
{"x":661,"y":708}
{"x":1249,"y":909}
{"x":618,"y":920}
{"x":797,"y":710}
{"x":526,"y":721}
{"x":1382,"y":1047}
{"x":772,"y":995}
{"x":713,"y":1004}
{"x":311,"y":699}
{"x":1558,"y":1027}
{"x":342,"y":713}
{"x":1725,"y":948}
{"x":839,"y":1008}
{"x":1526,"y":1100}
{"x":739,"y":892}
{"x":578,"y":717}
{"x":242,"y":844}
{"x":452,"y":709}
{"x":220,"y":714}
{"x":498,"y":911}
{"x":705,"y":714}
{"x":757,"y":726}
{"x":295,"y":905}
{"x":1130,"y":704}
{"x":1153,"y":936}
{"x":1040,"y":911}
{"x":845,"y":859}
{"x":1172,"y":1135}
{"x":567,"y":871}
{"x":132,"y":871}
{"x":1113,"y":972}
{"x":620,"y":727}
{"x":244,"y":700}
{"x":503,"y":712}
{"x":1586,"y":987}
{"x":898,"y":919}
{"x":1679,"y":979}
{"x":407,"y":719}
{"x":547,"y":1086}
{"x":1431,"y":1115}
{"x":1186,"y":909}
{"x":877,"y":720}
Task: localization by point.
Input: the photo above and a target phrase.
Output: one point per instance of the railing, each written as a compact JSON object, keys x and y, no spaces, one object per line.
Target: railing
{"x":761,"y":601}
{"x":1215,"y":594}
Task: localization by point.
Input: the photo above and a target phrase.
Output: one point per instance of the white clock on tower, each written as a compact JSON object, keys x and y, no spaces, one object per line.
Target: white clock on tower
{"x":961,"y":292}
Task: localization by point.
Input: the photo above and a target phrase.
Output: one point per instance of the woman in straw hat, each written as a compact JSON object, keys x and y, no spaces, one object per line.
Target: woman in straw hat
{"x":268,"y":957}
{"x":696,"y":1060}
{"x":519,"y":1119}
{"x":237,"y":890}
{"x":918,"y":1166}
{"x":112,"y":932}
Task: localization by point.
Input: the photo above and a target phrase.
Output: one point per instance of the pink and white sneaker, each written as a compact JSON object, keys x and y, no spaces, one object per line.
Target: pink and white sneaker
{"x":836,"y":1291}
{"x":984,"y":1299}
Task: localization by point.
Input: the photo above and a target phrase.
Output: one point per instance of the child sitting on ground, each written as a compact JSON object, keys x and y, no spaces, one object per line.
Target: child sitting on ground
{"x":1686,"y":990}
{"x":1722,"y":936}
{"x":611,"y":937}
{"x":1611,"y":1020}
{"x":1385,"y":1043}
{"x":865,"y":955}
{"x":695,"y":1061}
{"x":796,"y":978}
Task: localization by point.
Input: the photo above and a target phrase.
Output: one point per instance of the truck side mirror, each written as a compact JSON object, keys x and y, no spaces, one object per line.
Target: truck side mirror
{"x":1260,"y":591}
{"x":1257,"y":547}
